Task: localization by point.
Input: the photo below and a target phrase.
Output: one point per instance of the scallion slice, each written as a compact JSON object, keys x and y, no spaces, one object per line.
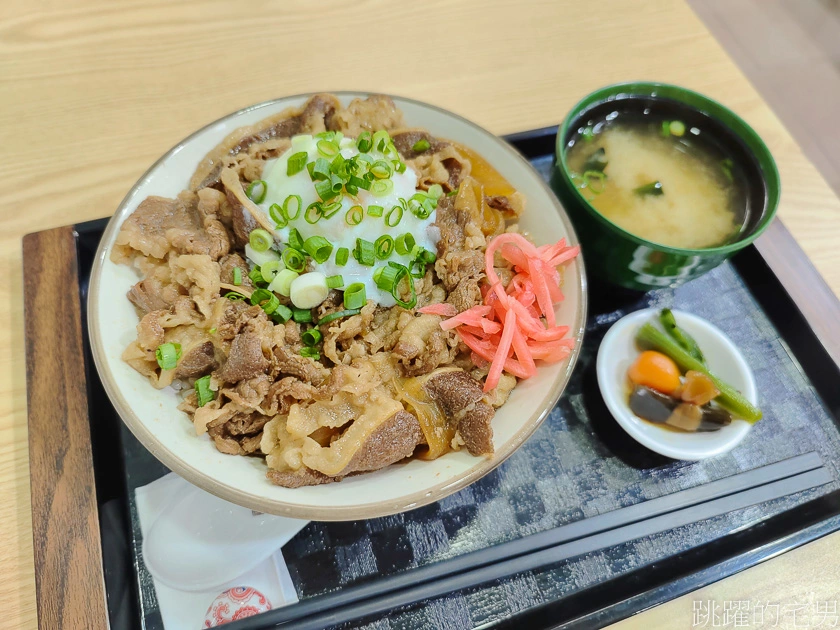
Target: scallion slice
{"x":364,"y":252}
{"x":395,"y":291}
{"x":326,"y":319}
{"x":677,"y":128}
{"x":313,"y":212}
{"x":310,"y":353}
{"x":202,"y":390}
{"x":278,"y":216}
{"x":375,"y":211}
{"x":237,"y":276}
{"x":266,"y":300}
{"x":256,"y":275}
{"x":335,"y":282}
{"x":384,"y":247}
{"x":435,"y":191}
{"x":354,"y":215}
{"x":295,"y":239}
{"x":421,"y":145}
{"x":359,"y":182}
{"x":425,"y":256}
{"x":387,"y":277}
{"x":292,"y":206}
{"x":330,"y":209}
{"x":233,"y":296}
{"x":256,"y":191}
{"x":327,"y":148}
{"x":394,"y":216}
{"x":342,"y":256}
{"x":260,"y":240}
{"x":281,"y":314}
{"x":318,"y":247}
{"x":325,"y":191}
{"x":592,"y":177}
{"x":381,"y":140}
{"x":302,"y":315}
{"x":294,"y":259}
{"x":404,"y":243}
{"x":167,"y":355}
{"x":269,"y":270}
{"x":296,"y":163}
{"x":399,"y":167}
{"x":417,"y":269}
{"x":321,"y":170}
{"x":282,"y":284}
{"x":381,"y":169}
{"x":364,"y":142}
{"x":381,"y":187}
{"x":354,"y":296}
{"x":311,"y":337}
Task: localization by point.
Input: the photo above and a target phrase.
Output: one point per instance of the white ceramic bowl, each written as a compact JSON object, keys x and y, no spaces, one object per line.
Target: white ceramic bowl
{"x":618,"y":351}
{"x":152,"y":415}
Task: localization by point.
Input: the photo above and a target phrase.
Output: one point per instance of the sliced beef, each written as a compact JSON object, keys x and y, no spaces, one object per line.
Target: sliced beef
{"x":250,"y":392}
{"x":405,"y":141}
{"x":231,"y":262}
{"x":393,"y":441}
{"x":159,"y":226}
{"x":246,"y":424}
{"x":460,"y":398}
{"x":286,"y":392}
{"x":298,"y":478}
{"x":246,"y":359}
{"x":198,"y":361}
{"x":149,"y":295}
{"x":451,"y":223}
{"x":304,"y":368}
{"x":466,"y":295}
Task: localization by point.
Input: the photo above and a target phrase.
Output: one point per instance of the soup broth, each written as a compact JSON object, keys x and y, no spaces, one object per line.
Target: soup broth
{"x":664,"y":180}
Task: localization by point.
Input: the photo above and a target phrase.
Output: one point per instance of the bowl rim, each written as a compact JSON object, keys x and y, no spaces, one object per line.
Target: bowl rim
{"x":430,"y":494}
{"x":649,"y":88}
{"x":628,"y":421}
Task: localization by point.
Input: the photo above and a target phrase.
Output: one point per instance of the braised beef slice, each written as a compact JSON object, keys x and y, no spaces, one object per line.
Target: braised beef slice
{"x":394,"y":440}
{"x":298,"y":478}
{"x":304,"y":368}
{"x":459,"y":397}
{"x":405,"y":141}
{"x":246,"y":359}
{"x":231,"y":262}
{"x":147,"y":295}
{"x":451,"y":223}
{"x":199,"y":361}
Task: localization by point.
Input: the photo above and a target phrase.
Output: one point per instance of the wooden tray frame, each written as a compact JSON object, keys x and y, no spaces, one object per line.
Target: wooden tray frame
{"x":69,"y":575}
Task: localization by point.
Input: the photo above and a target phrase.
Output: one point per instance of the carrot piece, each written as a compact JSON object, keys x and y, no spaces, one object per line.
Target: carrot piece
{"x":443,"y":309}
{"x":564,"y":256}
{"x":523,"y":352}
{"x":655,"y":370}
{"x":541,"y":291}
{"x":471,"y":316}
{"x":498,"y":362}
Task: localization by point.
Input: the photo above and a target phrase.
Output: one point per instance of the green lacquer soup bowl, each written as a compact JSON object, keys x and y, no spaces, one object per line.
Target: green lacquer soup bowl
{"x":620,"y":257}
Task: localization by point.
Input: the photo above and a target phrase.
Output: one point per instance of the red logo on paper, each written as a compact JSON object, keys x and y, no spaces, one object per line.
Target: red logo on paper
{"x":236,"y":603}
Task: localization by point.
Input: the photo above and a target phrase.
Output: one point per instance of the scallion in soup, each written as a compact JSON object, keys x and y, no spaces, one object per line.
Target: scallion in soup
{"x":662,"y":180}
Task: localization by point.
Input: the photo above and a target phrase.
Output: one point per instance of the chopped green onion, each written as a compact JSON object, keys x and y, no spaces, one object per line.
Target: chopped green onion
{"x":337,"y":183}
{"x":400,"y":167}
{"x":237,"y":276}
{"x":417,"y":269}
{"x":354,"y":215}
{"x":260,"y":240}
{"x":295,"y":239}
{"x":589,"y":177}
{"x":321,"y":170}
{"x":653,"y":189}
{"x":233,"y":296}
{"x":325,"y":190}
{"x":311,"y":337}
{"x":282,"y":284}
{"x":278,"y":216}
{"x":364,"y":252}
{"x":677,"y":128}
{"x":256,"y":191}
{"x":726,"y":166}
{"x":426,"y":256}
{"x":375,"y":211}
{"x":326,"y":319}
{"x":597,"y":161}
{"x":297,"y":162}
{"x":436,"y":191}
{"x":340,"y":166}
{"x":381,"y":140}
{"x":281,"y":314}
{"x":318,"y":247}
{"x":342,"y":256}
{"x":302,"y":315}
{"x":381,"y":169}
{"x":419,"y":209}
{"x":358,"y":182}
{"x":354,"y":296}
{"x":666,"y":128}
{"x":588,"y":134}
{"x":330,"y":209}
{"x":335,"y":282}
{"x":202,"y":390}
{"x":310,"y":166}
{"x":421,"y":145}
{"x":327,"y":148}
{"x":288,"y":206}
{"x":364,"y":142}
{"x":310,"y":353}
{"x":212,"y":331}
{"x":386,"y":277}
{"x":313,"y":212}
{"x":405,"y":243}
{"x":452,"y":193}
{"x":381,"y":187}
{"x":384,"y":247}
{"x":269,"y":270}
{"x":256,"y":275}
{"x":167,"y":355}
{"x":391,"y":276}
{"x":294,"y":259}
{"x":394,"y":216}
{"x":266,"y":300}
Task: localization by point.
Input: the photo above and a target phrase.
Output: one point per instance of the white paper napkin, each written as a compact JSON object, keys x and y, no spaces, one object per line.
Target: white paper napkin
{"x":186,"y":609}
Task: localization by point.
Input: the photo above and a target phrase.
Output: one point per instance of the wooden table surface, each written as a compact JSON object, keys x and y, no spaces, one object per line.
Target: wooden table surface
{"x":92,"y":92}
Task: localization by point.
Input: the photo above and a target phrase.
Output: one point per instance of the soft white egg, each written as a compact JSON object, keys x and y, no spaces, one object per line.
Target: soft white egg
{"x":336,"y":229}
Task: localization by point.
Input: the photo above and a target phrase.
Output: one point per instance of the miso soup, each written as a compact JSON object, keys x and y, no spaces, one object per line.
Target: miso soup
{"x":660,"y":176}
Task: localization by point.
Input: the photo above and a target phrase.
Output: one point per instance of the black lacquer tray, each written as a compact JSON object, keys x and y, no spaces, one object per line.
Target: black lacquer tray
{"x":578,"y":465}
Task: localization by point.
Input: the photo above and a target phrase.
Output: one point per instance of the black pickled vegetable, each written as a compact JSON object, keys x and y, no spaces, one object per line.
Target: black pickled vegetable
{"x":653,"y":189}
{"x":661,"y":409}
{"x":669,"y":323}
{"x":597,"y":161}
